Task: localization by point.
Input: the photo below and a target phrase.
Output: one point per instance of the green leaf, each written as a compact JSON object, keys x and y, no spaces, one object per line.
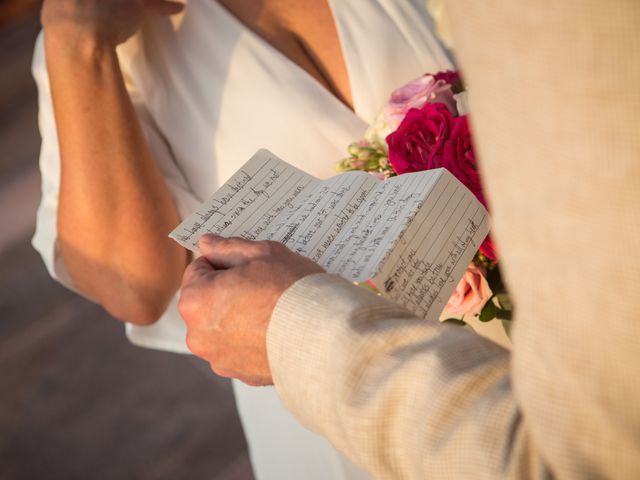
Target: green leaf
{"x":504,"y":300}
{"x":494,"y":278}
{"x":503,"y":314}
{"x":489,"y":312}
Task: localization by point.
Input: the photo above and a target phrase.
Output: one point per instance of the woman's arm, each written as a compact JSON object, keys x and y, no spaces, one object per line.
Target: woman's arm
{"x":114,"y":207}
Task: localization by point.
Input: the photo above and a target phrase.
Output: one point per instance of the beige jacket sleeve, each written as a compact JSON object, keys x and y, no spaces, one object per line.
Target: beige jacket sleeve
{"x":555,"y":99}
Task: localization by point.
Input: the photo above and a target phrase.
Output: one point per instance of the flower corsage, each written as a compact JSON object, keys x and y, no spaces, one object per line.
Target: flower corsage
{"x":425,"y":125}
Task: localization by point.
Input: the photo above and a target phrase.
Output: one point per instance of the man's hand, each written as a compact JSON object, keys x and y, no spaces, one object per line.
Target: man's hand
{"x":227,"y":299}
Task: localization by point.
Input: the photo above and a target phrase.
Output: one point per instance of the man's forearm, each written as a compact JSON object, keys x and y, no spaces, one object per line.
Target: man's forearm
{"x":114,"y":206}
{"x":400,"y":396}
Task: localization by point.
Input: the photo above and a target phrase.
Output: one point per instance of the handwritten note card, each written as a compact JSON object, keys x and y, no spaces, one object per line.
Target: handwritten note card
{"x":413,"y":235}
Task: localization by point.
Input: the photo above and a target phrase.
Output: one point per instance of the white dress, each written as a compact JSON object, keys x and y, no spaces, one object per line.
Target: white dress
{"x":209,"y":93}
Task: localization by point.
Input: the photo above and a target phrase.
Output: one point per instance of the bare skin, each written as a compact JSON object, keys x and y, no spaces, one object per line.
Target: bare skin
{"x":114,"y":207}
{"x":111,"y":190}
{"x":227,"y":299}
{"x":305,"y":32}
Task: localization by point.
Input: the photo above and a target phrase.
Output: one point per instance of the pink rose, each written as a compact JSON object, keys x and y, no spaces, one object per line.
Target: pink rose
{"x":418,"y":143}
{"x":471,"y":294}
{"x":414,"y":95}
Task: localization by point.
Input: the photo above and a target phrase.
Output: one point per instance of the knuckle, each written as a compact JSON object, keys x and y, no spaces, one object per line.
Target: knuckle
{"x":255,"y":381}
{"x":263,"y":248}
{"x":270,"y":248}
{"x":234,"y":242}
{"x":195,"y":345}
{"x":188,"y":274}
{"x":219,"y":369}
{"x":196,"y":299}
{"x":186,"y":304}
{"x":183,"y":306}
{"x":276,"y":246}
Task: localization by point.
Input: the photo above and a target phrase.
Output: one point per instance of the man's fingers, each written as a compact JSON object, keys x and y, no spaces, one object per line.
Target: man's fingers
{"x":230,"y":252}
{"x":163,"y":7}
{"x":198,"y":269}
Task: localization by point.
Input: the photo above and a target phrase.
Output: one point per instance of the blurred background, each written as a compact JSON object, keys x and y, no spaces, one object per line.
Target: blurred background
{"x":77,"y":401}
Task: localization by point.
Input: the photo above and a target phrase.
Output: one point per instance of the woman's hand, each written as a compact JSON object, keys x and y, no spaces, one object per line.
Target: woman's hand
{"x":113,"y":21}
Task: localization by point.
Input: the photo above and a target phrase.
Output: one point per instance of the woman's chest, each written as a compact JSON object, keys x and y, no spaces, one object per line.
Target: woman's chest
{"x":305,"y":32}
{"x":218,"y":91}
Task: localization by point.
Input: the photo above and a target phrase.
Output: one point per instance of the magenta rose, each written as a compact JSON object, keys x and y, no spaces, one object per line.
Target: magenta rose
{"x":432,"y":138}
{"x":459,"y":158}
{"x":488,"y":249}
{"x":452,"y":78}
{"x":418,"y":143}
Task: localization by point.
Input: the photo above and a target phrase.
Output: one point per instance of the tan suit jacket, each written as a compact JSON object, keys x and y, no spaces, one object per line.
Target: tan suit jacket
{"x":555,"y":96}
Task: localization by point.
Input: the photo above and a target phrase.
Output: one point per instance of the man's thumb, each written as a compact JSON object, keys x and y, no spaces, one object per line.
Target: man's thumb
{"x":227,"y":252}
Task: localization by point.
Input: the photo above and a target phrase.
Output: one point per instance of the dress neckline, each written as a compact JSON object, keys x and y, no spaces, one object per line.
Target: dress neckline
{"x":301,"y":72}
